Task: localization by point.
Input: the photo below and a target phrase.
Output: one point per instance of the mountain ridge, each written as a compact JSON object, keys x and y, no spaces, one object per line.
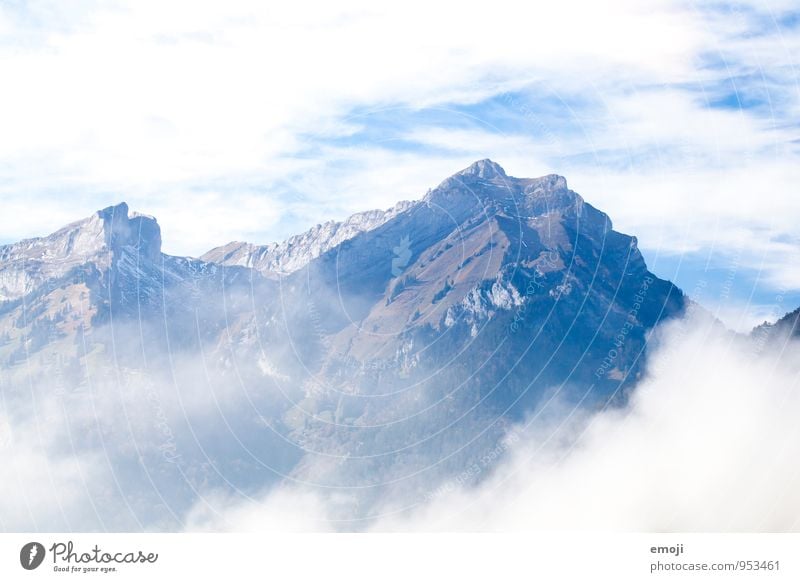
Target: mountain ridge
{"x":91,"y":239}
{"x":297,"y":250}
{"x":468,"y":309}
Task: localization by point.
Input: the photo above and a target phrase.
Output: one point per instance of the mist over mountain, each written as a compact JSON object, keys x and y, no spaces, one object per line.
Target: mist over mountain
{"x":786,"y":327}
{"x":377,"y":357}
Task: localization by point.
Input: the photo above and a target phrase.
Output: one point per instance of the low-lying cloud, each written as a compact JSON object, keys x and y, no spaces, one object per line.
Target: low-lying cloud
{"x":708,"y":442}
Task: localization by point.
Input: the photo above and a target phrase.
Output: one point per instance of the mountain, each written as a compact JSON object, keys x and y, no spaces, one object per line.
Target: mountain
{"x":784,"y":328}
{"x":26,"y":265}
{"x":468,"y":310}
{"x":525,"y":255}
{"x":789,"y":323}
{"x":105,"y":269}
{"x":383,"y":353}
{"x":297,"y":251}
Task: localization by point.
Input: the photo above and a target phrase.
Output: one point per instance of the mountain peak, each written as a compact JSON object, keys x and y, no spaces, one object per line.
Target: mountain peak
{"x":486,"y":169}
{"x":123,"y":229}
{"x":117,"y":210}
{"x":553,"y":182}
{"x":97,"y":239}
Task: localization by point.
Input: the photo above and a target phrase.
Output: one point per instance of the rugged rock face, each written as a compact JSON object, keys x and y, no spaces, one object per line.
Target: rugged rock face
{"x":481,"y":249}
{"x":386,"y":351}
{"x":27,"y":264}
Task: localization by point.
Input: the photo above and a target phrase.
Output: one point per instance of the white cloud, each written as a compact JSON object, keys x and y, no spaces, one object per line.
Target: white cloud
{"x":152,"y":97}
{"x":283,"y":510}
{"x":176,"y":89}
{"x":46,"y":478}
{"x":739,"y":210}
{"x":707,"y":443}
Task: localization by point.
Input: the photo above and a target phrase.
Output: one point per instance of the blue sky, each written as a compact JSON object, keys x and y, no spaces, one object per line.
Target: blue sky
{"x":251,"y":122}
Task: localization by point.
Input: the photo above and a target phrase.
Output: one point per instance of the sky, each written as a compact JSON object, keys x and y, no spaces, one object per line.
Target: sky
{"x":253,"y":121}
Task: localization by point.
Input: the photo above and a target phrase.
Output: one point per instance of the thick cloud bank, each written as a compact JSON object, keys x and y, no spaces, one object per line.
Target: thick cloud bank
{"x":708,"y":442}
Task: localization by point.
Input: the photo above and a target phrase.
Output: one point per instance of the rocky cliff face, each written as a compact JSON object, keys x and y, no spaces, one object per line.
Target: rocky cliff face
{"x":98,"y":239}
